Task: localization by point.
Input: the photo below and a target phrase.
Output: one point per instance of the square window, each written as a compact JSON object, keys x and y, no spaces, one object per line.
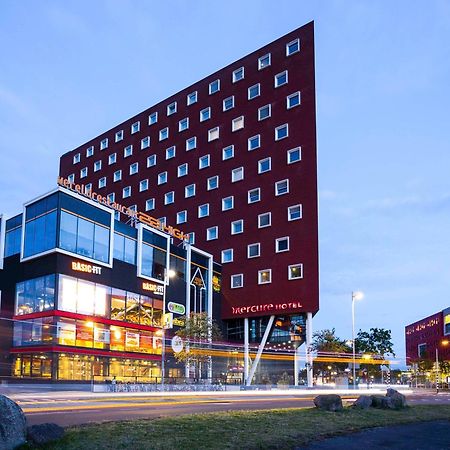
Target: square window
{"x":71,"y":178}
{"x":295,"y":271}
{"x":143,"y":185}
{"x":265,"y":276}
{"x":111,"y":197}
{"x":282,"y":244}
{"x":117,"y":176}
{"x":170,"y":152}
{"x":227,"y":255}
{"x":126,"y":192}
{"x":135,"y":127}
{"x":145,"y":142}
{"x":191,"y":238}
{"x":181,"y":217}
{"x":294,"y":212}
{"x":97,"y":166}
{"x":189,"y":191}
{"x":294,"y":155}
{"x":133,"y":208}
{"x":253,"y":250}
{"x":212,"y":183}
{"x":203,"y":162}
{"x":191,"y":98}
{"x":191,"y":143}
{"x":264,"y":165}
{"x":112,"y":158}
{"x":254,"y":142}
{"x":265,"y":220}
{"x":237,"y":174}
{"x":162,"y":220}
{"x":264,"y":61}
{"x":254,"y":195}
{"x":169,"y":198}
{"x":214,"y":87}
{"x":134,"y":168}
{"x":228,"y":152}
{"x":89,"y":151}
{"x":237,"y":281}
{"x":213,"y":134}
{"x":264,"y":112}
{"x":164,"y":134}
{"x":83,"y":172}
{"x":203,"y":210}
{"x":127,"y":151}
{"x":205,"y":114}
{"x":293,"y":100}
{"x":182,"y":170}
{"x":238,"y":74}
{"x":150,"y":204}
{"x":153,"y":118}
{"x":183,"y":124}
{"x":88,"y":187}
{"x":292,"y":47}
{"x":282,"y":187}
{"x":227,"y":203}
{"x":102,"y":182}
{"x":104,"y":144}
{"x":281,"y":132}
{"x":237,"y":227}
{"x":237,"y":124}
{"x":76,"y":158}
{"x":119,"y":136}
{"x":228,"y":103}
{"x":172,"y":108}
{"x":212,"y":233}
{"x":281,"y":78}
{"x":151,"y":161}
{"x":162,"y":178}
{"x":253,"y":91}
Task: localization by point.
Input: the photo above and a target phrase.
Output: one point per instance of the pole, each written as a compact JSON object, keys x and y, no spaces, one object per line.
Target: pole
{"x":437,"y":370}
{"x":246,"y":350}
{"x":353,"y":340}
{"x":163,"y":347}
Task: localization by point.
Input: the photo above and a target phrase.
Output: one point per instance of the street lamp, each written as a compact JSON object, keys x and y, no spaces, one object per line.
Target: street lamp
{"x":167,"y":275}
{"x":445,"y":342}
{"x":358,"y":295}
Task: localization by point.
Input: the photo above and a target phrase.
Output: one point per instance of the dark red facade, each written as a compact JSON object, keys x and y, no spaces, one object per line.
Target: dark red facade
{"x":281,"y":295}
{"x":425,"y":336}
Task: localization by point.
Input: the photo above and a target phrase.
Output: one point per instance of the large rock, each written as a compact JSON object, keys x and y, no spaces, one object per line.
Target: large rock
{"x":44,"y":433}
{"x":382,"y":402}
{"x":398,"y":400}
{"x":329,"y":402}
{"x":13,"y":425}
{"x":363,"y":402}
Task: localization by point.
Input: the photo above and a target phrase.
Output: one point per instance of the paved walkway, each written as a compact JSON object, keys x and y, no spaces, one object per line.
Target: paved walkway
{"x":415,"y":436}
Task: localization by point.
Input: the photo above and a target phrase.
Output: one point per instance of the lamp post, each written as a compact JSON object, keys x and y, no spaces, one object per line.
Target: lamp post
{"x":445,"y":342}
{"x":358,"y":295}
{"x":167,"y":275}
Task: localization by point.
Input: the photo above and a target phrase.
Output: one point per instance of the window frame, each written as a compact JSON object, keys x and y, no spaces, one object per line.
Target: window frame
{"x":254,"y":245}
{"x":241,"y":277}
{"x":300,"y":207}
{"x":249,"y":193}
{"x":191,"y":98}
{"x":261,"y":65}
{"x":260,"y":272}
{"x":291,"y":96}
{"x":295,"y":41}
{"x":214,"y":87}
{"x":291,"y":266}
{"x":269,"y":214}
{"x":234,"y":122}
{"x":234,"y":77}
{"x":224,"y":200}
{"x":162,"y":178}
{"x":208,"y":232}
{"x":171,"y":108}
{"x":277,"y":83}
{"x":267,"y":107}
{"x":277,"y":194}
{"x":249,"y":91}
{"x":200,"y":213}
{"x":223,"y":252}
{"x":277,"y":244}
{"x":280,"y":127}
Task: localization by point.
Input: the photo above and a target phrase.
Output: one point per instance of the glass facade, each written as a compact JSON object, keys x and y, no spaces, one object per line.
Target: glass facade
{"x":13,"y":236}
{"x":35,"y":295}
{"x":154,"y":254}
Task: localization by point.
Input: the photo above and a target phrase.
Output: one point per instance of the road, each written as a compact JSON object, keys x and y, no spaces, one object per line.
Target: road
{"x":72,"y":408}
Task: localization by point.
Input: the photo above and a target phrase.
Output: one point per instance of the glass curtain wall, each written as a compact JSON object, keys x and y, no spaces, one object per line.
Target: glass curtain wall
{"x":154,"y":253}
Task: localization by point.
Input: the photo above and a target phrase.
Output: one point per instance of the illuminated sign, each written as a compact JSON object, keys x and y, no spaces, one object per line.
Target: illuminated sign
{"x":154,"y":288}
{"x":86,"y":268}
{"x":104,"y":200}
{"x":176,"y":308}
{"x":266,"y":307}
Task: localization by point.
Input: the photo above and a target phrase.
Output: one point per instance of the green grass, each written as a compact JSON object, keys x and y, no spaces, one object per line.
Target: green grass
{"x":269,"y":429}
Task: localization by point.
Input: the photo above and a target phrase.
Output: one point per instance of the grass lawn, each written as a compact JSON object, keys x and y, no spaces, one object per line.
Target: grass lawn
{"x":280,"y":428}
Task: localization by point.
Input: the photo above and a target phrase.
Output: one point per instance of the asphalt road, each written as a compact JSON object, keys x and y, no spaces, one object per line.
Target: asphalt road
{"x":72,"y":408}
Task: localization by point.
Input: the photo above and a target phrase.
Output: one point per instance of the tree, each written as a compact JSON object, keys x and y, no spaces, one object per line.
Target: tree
{"x":197,"y":332}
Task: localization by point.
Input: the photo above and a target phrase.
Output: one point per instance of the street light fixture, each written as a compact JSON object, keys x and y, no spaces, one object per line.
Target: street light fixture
{"x":357,"y":295}
{"x":444,"y":342}
{"x":167,"y":275}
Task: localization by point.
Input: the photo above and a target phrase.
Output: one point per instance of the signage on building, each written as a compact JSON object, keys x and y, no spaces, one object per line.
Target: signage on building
{"x":177,"y":344}
{"x":156,"y":289}
{"x":266,"y":307}
{"x":176,"y":308}
{"x":104,"y":200}
{"x":167,"y":321}
{"x":86,"y":268}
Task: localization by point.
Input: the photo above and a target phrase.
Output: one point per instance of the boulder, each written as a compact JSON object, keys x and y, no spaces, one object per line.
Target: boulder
{"x":13,"y":424}
{"x":329,"y":402}
{"x":363,"y":402}
{"x":44,"y":433}
{"x":382,"y":402}
{"x":398,"y":400}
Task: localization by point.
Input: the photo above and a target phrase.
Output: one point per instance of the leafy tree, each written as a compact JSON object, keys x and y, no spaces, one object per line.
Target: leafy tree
{"x":377,"y":341}
{"x":197,"y":332}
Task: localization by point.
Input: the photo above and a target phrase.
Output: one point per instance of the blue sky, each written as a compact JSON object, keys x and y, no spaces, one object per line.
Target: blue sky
{"x":72,"y":69}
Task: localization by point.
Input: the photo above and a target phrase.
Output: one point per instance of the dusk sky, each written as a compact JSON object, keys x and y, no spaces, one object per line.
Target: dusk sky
{"x":70,"y":70}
